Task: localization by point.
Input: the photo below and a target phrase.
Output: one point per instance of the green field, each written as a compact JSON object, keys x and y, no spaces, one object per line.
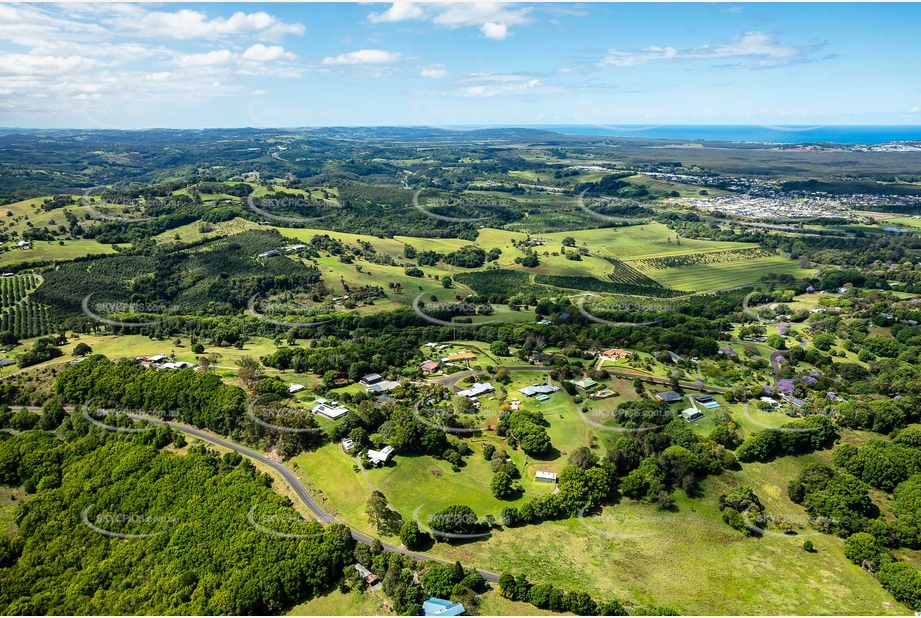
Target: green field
{"x":336,"y":603}
{"x":715,"y":277}
{"x":46,"y":250}
{"x":687,"y":559}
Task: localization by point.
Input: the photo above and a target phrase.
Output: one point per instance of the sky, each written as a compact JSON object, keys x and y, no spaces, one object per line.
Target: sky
{"x":182,"y":65}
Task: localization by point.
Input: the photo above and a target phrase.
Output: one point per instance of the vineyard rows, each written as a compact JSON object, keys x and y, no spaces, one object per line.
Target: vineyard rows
{"x":730,"y":256}
{"x":14,"y":289}
{"x":627,"y":275}
{"x":591,"y":284}
{"x":26,"y":319}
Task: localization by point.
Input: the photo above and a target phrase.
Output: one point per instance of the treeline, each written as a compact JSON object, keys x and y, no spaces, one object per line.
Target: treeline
{"x":195,"y":551}
{"x":547,"y":597}
{"x":197,"y":398}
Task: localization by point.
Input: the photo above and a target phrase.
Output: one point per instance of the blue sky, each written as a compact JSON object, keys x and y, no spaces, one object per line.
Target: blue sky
{"x":265,"y":65}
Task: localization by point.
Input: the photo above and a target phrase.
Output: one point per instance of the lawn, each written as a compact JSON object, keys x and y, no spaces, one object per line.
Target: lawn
{"x":48,"y":250}
{"x":336,"y":603}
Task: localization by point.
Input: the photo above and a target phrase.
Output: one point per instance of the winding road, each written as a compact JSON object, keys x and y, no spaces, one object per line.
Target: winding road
{"x":298,"y":487}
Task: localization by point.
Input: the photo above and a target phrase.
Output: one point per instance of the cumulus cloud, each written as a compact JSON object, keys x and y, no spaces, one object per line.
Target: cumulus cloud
{"x":762,"y":48}
{"x":494,"y":31}
{"x":261,"y":53}
{"x":398,"y":11}
{"x":364,"y":56}
{"x":492,"y":18}
{"x":186,"y":24}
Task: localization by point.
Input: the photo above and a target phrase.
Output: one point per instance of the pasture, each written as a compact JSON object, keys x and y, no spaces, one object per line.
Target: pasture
{"x":687,"y":559}
{"x":51,"y":250}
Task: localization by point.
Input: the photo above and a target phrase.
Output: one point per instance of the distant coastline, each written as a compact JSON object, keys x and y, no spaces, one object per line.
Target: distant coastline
{"x":835,"y":134}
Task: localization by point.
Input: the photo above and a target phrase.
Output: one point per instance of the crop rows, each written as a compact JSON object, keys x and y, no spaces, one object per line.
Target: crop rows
{"x":26,"y":319}
{"x":499,"y":285}
{"x":627,"y":275}
{"x":694,"y":259}
{"x":14,"y":289}
{"x":591,"y":284}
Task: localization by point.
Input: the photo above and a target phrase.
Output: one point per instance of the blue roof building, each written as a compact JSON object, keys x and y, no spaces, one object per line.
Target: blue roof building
{"x":440,"y":607}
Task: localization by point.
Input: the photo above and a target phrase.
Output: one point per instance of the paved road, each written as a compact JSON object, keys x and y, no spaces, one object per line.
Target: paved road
{"x":298,"y":488}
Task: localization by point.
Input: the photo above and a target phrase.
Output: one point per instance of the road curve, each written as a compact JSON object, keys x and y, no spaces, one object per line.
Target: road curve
{"x":298,"y":487}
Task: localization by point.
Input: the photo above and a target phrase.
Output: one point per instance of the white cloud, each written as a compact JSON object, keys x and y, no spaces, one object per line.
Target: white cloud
{"x":364,"y":56}
{"x":210,"y":58}
{"x":259,"y":92}
{"x":162,"y":76}
{"x":433,"y":72}
{"x":492,"y":18}
{"x":494,"y":31}
{"x":261,"y":53}
{"x":398,"y":11}
{"x":186,"y":24}
{"x":43,"y":66}
{"x":498,"y":84}
{"x":915,"y":109}
{"x":761,"y":47}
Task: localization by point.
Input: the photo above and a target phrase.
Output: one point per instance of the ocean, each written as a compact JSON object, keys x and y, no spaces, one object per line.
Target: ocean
{"x":836,"y":134}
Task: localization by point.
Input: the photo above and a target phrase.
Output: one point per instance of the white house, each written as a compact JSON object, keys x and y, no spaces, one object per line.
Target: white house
{"x":295,"y":388}
{"x":331,"y":412}
{"x":478,"y":388}
{"x":543,"y":476}
{"x":380,"y":457}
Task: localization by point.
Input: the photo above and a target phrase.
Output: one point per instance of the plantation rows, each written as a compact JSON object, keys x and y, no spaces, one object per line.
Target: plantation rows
{"x":27,"y":319}
{"x":497,"y":286}
{"x":627,"y":275}
{"x":693,"y":259}
{"x":591,"y":284}
{"x":14,"y":289}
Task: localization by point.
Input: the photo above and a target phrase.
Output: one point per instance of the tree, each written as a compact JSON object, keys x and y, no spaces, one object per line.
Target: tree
{"x":502,"y":485}
{"x":52,"y":415}
{"x":808,"y":546}
{"x":446,"y":282}
{"x":198,"y":348}
{"x":411,"y":536}
{"x":439,"y":580}
{"x":249,"y":370}
{"x":82,"y":349}
{"x":583,"y":458}
{"x":903,"y":581}
{"x":499,"y":348}
{"x":379,"y":513}
{"x":865,"y":551}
